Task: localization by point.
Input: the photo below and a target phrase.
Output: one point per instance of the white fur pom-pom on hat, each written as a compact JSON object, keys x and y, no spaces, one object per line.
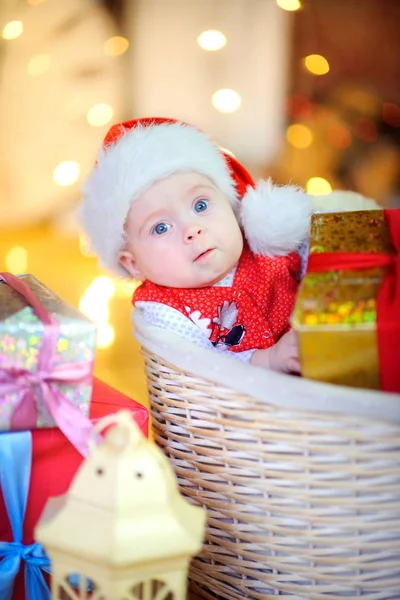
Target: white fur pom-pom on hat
{"x":275,"y":218}
{"x":135,"y":154}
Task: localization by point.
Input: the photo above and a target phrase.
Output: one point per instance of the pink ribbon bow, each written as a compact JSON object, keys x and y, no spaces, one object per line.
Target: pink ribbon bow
{"x":72,"y":422}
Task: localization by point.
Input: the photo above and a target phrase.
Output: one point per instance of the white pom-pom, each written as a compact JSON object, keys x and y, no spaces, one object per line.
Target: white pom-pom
{"x":275,"y":219}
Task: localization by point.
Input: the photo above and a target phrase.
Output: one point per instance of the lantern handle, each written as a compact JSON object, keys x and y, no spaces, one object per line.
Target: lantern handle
{"x":122,"y":417}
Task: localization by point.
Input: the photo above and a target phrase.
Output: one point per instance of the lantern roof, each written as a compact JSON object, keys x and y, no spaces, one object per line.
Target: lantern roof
{"x":123,"y":506}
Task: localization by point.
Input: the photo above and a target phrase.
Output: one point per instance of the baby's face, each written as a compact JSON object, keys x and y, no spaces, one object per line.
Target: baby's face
{"x":182,"y":232}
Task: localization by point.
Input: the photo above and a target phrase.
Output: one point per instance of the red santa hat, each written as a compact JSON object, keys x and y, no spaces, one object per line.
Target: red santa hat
{"x":135,"y":154}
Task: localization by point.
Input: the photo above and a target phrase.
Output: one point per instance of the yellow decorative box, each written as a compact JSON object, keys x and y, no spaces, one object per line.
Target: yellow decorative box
{"x":335,"y":311}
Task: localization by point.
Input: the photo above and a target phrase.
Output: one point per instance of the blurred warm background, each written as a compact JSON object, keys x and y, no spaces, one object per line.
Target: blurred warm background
{"x":305,"y":91}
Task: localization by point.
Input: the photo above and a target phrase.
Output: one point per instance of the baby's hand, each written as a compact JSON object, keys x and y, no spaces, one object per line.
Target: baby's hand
{"x":283,"y":356}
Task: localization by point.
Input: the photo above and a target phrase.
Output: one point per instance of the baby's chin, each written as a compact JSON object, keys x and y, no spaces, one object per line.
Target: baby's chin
{"x":185,"y":284}
{"x":202,"y":277}
{"x":207,"y":281}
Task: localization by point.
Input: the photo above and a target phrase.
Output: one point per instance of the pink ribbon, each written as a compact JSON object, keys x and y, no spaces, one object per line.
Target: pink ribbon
{"x":72,"y":422}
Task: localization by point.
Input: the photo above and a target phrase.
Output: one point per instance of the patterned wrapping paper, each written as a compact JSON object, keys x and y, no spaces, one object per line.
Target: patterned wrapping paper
{"x":335,"y":312}
{"x":20,"y":337}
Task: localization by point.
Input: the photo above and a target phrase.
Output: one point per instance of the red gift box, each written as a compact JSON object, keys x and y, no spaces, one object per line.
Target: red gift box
{"x":55,"y":462}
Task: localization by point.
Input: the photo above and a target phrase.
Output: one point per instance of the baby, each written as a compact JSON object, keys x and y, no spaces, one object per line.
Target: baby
{"x":217,"y":255}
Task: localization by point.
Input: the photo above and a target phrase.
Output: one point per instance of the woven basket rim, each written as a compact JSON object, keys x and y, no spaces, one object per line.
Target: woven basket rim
{"x":277,"y":389}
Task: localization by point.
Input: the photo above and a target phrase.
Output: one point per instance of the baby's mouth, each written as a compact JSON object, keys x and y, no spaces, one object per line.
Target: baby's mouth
{"x":204,"y":254}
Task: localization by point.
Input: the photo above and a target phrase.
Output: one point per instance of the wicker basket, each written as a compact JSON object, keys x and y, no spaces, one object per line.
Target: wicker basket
{"x":301,"y":480}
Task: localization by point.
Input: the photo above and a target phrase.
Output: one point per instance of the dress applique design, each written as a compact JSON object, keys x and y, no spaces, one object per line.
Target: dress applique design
{"x":251,"y":313}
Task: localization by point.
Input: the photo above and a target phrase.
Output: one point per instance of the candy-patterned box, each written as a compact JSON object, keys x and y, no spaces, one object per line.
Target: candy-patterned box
{"x":336,"y":309}
{"x":46,"y":362}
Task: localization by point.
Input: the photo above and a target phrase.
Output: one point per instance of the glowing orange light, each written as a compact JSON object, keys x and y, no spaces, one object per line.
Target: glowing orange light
{"x":17,"y":260}
{"x":299,"y":135}
{"x":116,"y":45}
{"x":339,"y":137}
{"x":316,"y":64}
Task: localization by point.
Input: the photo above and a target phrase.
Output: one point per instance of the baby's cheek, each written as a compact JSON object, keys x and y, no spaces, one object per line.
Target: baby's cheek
{"x":165,"y":262}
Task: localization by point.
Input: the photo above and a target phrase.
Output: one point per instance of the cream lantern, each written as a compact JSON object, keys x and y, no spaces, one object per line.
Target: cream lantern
{"x":122,"y":531}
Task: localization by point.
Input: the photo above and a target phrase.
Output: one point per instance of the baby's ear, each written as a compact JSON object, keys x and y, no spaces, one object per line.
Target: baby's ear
{"x":126,"y":260}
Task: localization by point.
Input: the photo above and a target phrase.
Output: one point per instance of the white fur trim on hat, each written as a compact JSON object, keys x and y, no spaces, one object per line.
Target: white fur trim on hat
{"x":126,"y":168}
{"x":275,"y":219}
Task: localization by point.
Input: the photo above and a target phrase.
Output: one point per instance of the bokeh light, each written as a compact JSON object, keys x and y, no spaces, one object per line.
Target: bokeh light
{"x":317,"y":186}
{"x":105,"y":335}
{"x":339,"y":136}
{"x":226,"y":100}
{"x":116,"y":45}
{"x":124,"y":288}
{"x":299,"y":106}
{"x":17,"y":260}
{"x":211,"y":40}
{"x":40,"y":63}
{"x":103,"y":287}
{"x":12,"y":30}
{"x":94,"y":304}
{"x":316,"y":64}
{"x":300,"y":136}
{"x":66,"y":173}
{"x":289,"y":4}
{"x":99,"y":115}
{"x":96,"y":311}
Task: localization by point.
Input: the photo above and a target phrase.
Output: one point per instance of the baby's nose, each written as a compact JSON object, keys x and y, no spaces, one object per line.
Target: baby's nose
{"x":192,"y":232}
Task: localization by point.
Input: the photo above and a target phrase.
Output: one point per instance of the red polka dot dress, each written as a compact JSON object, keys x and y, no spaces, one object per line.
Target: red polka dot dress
{"x":252,"y":313}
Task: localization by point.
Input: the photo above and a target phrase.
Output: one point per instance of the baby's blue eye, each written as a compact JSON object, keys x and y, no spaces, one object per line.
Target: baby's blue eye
{"x":161,"y":228}
{"x":201,"y":206}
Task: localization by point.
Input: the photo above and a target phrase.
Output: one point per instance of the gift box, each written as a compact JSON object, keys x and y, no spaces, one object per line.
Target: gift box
{"x":46,"y":357}
{"x":41,"y":464}
{"x":347,"y":312}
